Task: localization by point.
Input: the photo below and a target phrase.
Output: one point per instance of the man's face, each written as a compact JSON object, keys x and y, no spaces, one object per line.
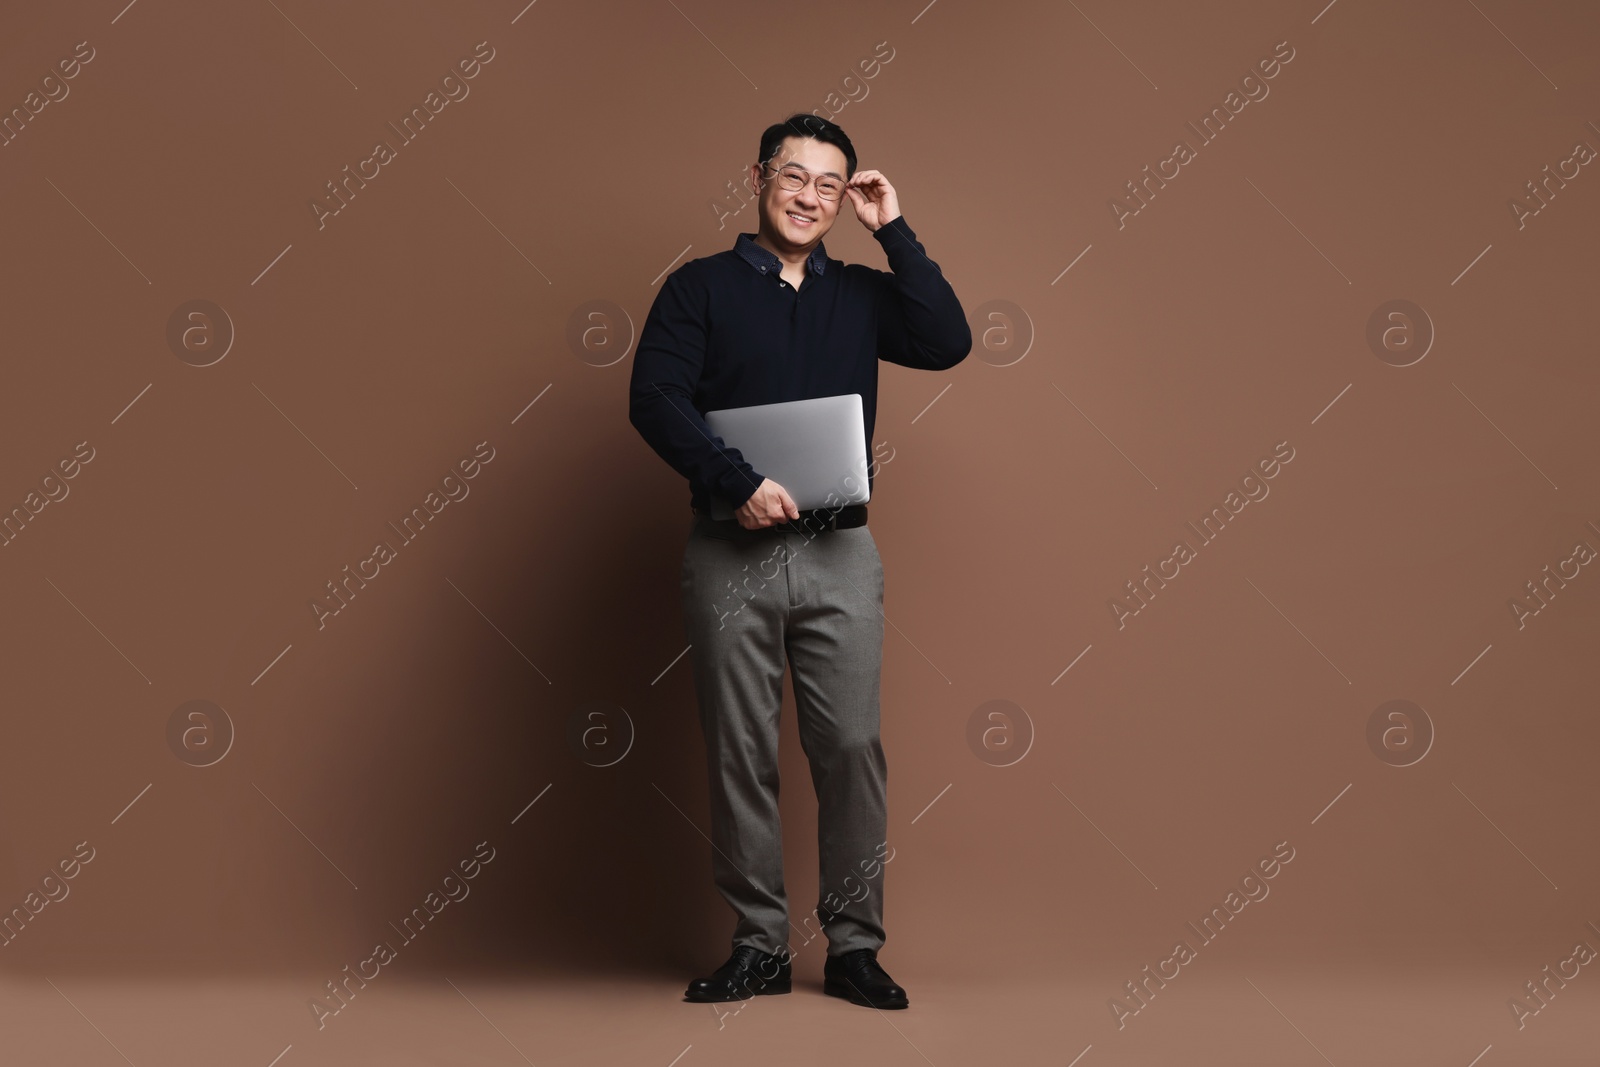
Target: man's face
{"x":778,"y":204}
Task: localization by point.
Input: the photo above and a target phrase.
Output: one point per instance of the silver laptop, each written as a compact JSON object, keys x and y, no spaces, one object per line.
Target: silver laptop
{"x":816,"y":449}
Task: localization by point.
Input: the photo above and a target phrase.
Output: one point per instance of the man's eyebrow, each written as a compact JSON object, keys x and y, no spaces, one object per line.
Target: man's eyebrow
{"x":826,"y":173}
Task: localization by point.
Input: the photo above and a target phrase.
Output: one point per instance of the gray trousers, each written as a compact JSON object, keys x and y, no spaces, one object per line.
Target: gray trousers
{"x":751,"y":599}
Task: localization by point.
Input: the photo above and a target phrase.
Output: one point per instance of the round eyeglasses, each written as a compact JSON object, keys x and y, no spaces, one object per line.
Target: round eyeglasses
{"x":794,"y":179}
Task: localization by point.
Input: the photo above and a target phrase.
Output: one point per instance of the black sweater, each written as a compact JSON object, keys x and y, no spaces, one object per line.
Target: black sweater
{"x":726,"y":331}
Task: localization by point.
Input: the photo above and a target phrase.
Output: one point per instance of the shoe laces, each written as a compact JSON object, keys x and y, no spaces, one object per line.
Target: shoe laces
{"x":858,"y":959}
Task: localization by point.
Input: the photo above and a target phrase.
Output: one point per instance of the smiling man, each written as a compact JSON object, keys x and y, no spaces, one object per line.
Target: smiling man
{"x":775,"y":319}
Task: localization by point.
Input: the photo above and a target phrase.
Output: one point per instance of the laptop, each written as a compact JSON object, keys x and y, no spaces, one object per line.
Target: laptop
{"x":816,"y":449}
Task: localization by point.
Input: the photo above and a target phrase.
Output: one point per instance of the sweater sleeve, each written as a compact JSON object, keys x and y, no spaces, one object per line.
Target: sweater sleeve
{"x":920,"y":321}
{"x":666,"y":375}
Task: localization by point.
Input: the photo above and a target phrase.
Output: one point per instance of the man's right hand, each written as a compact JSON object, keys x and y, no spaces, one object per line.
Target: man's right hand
{"x":768,"y":505}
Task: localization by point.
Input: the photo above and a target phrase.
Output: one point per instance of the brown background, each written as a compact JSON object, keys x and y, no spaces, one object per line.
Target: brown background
{"x":370,"y":355}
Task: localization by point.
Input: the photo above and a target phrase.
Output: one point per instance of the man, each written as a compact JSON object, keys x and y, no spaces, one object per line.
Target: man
{"x":774,"y":319}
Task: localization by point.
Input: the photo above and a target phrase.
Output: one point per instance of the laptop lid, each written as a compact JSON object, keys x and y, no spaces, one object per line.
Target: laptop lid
{"x":816,"y":449}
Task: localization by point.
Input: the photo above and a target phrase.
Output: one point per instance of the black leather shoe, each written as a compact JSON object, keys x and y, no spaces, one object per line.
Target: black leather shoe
{"x":748,"y":973}
{"x":857,"y":977}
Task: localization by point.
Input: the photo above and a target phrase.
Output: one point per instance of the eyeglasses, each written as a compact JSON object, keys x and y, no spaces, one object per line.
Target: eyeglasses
{"x":794,"y":179}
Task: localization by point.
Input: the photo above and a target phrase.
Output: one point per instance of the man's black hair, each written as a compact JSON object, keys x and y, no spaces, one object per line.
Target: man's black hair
{"x":806,"y":125}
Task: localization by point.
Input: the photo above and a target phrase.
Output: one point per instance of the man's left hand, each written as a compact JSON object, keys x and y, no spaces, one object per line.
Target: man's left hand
{"x":873,"y":197}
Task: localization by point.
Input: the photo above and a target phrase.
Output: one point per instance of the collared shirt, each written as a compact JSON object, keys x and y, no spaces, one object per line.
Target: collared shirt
{"x":726,"y":331}
{"x":766,"y":261}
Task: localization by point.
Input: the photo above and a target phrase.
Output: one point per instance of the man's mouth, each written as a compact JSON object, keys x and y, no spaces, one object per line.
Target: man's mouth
{"x":800,"y":220}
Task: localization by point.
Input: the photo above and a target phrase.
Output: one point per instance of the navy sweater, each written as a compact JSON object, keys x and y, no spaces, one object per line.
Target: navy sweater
{"x":726,"y":331}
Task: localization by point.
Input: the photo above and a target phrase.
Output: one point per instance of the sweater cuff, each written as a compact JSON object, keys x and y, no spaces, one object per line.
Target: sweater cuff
{"x":738,"y":487}
{"x":901,"y":231}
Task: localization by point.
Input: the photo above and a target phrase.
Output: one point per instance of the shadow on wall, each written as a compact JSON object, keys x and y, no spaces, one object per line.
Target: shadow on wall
{"x":538,"y":664}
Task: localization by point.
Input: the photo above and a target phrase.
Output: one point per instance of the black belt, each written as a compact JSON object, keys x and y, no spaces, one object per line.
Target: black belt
{"x":845,"y":518}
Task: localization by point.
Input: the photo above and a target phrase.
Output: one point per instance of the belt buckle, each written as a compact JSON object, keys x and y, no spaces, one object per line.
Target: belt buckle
{"x":818,"y":515}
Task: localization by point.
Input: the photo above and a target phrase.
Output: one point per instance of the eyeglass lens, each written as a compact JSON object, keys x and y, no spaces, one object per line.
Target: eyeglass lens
{"x":793,"y":179}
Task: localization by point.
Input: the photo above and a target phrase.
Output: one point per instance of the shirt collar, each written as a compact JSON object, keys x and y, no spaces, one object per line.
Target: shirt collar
{"x":767,"y":262}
